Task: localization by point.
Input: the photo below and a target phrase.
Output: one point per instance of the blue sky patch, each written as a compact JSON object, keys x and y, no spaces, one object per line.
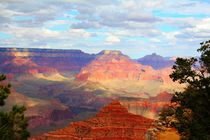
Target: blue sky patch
{"x":61,"y":27}
{"x":164,"y":14}
{"x":22,"y":18}
{"x":167,"y":28}
{"x":5,"y":35}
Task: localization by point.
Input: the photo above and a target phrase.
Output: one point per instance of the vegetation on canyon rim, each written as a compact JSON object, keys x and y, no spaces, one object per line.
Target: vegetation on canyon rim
{"x":189,"y":111}
{"x":13,"y":124}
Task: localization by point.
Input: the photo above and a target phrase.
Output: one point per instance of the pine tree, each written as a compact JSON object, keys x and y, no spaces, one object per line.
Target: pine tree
{"x":4,"y":90}
{"x":13,"y":124}
{"x":189,"y":111}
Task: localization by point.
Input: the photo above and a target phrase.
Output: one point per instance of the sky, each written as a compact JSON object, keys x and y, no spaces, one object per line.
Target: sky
{"x":135,"y":27}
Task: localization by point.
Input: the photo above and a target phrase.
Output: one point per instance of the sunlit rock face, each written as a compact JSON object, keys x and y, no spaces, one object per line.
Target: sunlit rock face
{"x":110,"y":65}
{"x":19,"y":65}
{"x":156,"y":61}
{"x":124,"y":77}
{"x":25,"y":67}
{"x":113,"y":122}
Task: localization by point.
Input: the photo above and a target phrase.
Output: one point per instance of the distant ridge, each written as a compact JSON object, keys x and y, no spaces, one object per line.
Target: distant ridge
{"x":73,"y":59}
{"x":38,"y":50}
{"x":156,"y":61}
{"x":62,"y":60}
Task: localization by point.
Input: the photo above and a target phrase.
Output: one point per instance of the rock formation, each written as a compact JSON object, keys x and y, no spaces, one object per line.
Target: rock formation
{"x":111,"y":65}
{"x":62,"y":60}
{"x":113,"y":122}
{"x":156,"y":61}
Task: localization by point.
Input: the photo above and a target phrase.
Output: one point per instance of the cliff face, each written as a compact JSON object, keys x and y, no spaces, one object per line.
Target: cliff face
{"x":111,"y":65}
{"x":20,"y":65}
{"x":113,"y":122}
{"x":62,"y":60}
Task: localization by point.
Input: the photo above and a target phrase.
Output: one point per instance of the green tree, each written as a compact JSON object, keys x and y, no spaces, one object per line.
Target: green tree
{"x":13,"y":124}
{"x":4,"y":90}
{"x":189,"y":112}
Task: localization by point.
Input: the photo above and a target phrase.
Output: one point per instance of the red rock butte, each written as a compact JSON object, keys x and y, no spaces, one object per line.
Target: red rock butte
{"x":110,"y":65}
{"x":113,"y":65}
{"x":113,"y":122}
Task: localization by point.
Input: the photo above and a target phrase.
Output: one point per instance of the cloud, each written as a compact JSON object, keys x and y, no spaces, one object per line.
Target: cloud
{"x":86,"y":25}
{"x":199,"y":31}
{"x":111,"y":39}
{"x":79,"y":33}
{"x":97,"y":25}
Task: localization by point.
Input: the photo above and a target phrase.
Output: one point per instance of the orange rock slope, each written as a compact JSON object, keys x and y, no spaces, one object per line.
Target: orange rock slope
{"x":113,"y":122}
{"x":110,"y":65}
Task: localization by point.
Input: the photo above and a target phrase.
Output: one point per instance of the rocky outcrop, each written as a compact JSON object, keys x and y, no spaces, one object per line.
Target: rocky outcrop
{"x":111,"y":65}
{"x":113,"y":122}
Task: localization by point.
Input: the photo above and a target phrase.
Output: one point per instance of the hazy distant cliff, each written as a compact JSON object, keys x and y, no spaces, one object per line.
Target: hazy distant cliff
{"x":156,"y":61}
{"x":62,"y":60}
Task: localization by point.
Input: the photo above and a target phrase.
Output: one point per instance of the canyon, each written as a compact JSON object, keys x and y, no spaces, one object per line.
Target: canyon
{"x":62,"y":86}
{"x":117,"y":72}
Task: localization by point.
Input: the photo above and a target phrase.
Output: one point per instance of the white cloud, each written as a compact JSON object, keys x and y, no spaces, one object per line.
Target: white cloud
{"x":111,"y":39}
{"x":31,"y":33}
{"x":56,"y":22}
{"x":134,"y":23}
{"x":7,"y":12}
{"x":79,"y":33}
{"x":200,"y":31}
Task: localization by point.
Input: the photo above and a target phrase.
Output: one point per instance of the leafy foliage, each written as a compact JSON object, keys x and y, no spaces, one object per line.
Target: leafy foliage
{"x":189,"y":111}
{"x":13,"y":124}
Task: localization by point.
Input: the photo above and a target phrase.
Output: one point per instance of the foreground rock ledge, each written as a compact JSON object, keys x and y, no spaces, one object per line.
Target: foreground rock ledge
{"x":113,"y":122}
